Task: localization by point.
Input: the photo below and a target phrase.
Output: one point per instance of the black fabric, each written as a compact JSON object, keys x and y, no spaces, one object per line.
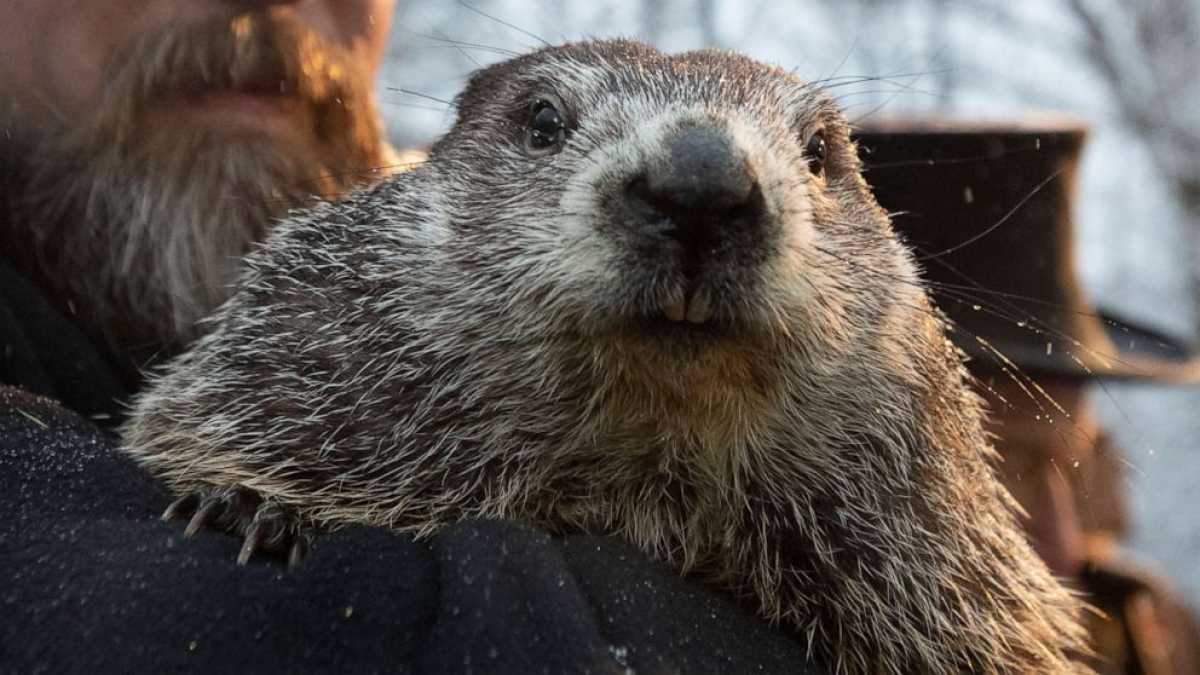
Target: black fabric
{"x":44,"y":352}
{"x":92,"y":581}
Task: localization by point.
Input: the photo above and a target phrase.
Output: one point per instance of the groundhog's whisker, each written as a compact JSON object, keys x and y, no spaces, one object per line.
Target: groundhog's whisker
{"x":602,"y":320}
{"x":502,"y":22}
{"x":450,"y":42}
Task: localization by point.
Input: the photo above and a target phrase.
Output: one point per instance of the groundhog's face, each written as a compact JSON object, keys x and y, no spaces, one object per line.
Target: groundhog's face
{"x":683,"y":200}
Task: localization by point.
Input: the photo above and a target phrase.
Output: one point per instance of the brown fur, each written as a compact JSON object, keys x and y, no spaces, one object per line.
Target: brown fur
{"x":483,"y":337}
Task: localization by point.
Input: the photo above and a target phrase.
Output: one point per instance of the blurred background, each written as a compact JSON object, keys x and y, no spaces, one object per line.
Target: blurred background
{"x":1129,"y":69}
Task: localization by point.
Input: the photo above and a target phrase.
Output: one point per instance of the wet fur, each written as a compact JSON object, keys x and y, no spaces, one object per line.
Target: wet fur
{"x":466,"y":341}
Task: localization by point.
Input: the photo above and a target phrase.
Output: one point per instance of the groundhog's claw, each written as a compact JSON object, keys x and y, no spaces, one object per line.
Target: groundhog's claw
{"x":180,"y":506}
{"x":298,"y":551}
{"x":265,"y":526}
{"x":210,"y":510}
{"x":274,"y":529}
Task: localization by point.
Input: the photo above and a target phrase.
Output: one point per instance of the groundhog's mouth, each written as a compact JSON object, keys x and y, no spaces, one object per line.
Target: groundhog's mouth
{"x":671,"y":331}
{"x":694,"y":311}
{"x":693,"y":307}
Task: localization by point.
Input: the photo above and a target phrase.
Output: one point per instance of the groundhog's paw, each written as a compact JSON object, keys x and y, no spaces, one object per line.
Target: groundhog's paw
{"x":265,"y":526}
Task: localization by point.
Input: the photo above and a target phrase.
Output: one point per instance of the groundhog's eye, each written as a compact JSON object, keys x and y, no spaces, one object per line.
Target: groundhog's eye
{"x":547,"y":130}
{"x":815,"y":151}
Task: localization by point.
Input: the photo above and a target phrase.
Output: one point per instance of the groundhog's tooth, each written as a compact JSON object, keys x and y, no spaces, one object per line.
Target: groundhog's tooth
{"x":675,"y":311}
{"x":748,"y":413}
{"x":699,"y":308}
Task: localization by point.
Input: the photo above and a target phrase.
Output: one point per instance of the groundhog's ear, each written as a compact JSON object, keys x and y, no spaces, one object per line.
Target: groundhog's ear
{"x":485,"y":87}
{"x":456,"y":105}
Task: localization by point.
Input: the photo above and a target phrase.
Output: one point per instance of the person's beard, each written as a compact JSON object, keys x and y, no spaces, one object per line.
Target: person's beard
{"x":136,"y":218}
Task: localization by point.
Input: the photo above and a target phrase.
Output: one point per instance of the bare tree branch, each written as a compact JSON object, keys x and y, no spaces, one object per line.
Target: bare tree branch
{"x":706,"y":13}
{"x":1152,"y":77}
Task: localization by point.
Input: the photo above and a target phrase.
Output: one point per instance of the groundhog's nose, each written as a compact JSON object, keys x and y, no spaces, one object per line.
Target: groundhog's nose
{"x":700,"y":189}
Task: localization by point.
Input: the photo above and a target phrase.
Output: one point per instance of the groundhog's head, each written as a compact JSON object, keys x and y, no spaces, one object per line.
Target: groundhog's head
{"x":681,"y":204}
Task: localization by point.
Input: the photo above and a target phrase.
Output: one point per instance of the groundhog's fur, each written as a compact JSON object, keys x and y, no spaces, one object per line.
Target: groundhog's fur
{"x":485,"y":337}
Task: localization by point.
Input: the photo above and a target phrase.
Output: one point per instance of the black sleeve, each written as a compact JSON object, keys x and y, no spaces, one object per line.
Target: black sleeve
{"x":92,"y":581}
{"x":45,"y":352}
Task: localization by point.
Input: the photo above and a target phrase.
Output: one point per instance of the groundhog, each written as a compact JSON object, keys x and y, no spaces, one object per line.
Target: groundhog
{"x":631,"y":293}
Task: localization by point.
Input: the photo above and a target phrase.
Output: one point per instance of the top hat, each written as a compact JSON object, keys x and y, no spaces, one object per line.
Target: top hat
{"x":986,"y":208}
